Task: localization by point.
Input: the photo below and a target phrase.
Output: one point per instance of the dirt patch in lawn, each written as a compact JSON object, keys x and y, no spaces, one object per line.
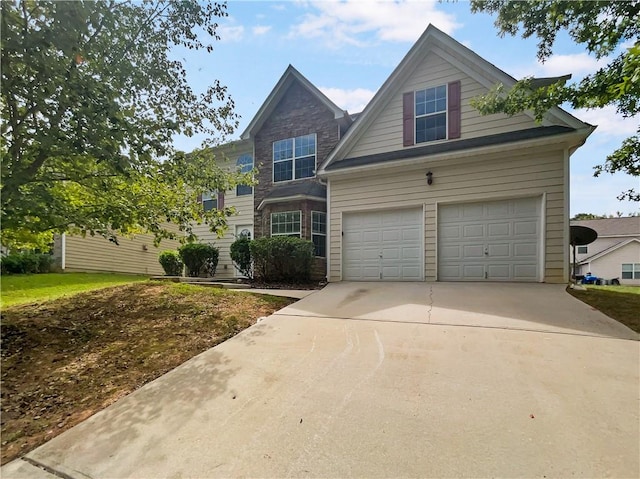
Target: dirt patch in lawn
{"x":64,"y":360}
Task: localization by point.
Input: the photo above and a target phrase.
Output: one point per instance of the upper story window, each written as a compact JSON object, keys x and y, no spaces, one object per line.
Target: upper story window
{"x":431,"y":114}
{"x":294,"y":158}
{"x":209,"y":201}
{"x":245,"y":165}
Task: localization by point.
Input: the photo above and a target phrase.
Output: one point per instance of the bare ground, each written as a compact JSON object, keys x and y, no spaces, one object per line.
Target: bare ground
{"x":64,"y":360}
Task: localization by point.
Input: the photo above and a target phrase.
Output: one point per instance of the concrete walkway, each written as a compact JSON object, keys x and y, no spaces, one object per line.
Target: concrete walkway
{"x":382,"y":380}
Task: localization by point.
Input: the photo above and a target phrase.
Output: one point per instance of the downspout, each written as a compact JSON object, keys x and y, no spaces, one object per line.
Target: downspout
{"x":63,"y":262}
{"x":566,"y":237}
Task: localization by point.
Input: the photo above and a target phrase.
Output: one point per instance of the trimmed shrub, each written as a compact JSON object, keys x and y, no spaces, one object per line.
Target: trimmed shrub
{"x":199,"y":258}
{"x":26,"y":263}
{"x":282,"y":259}
{"x":241,"y":256}
{"x":171,"y":263}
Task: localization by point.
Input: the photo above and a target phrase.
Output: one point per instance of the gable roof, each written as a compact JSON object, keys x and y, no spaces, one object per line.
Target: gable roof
{"x":629,"y":226}
{"x":288,"y":77}
{"x":610,"y":249}
{"x":461,"y":57}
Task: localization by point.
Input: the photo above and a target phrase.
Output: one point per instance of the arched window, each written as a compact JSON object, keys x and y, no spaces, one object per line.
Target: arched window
{"x":245,"y":165}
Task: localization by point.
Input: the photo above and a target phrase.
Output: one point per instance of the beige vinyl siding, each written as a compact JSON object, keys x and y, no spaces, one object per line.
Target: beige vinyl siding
{"x":501,"y":176}
{"x":244,"y":210}
{"x":244,"y":207}
{"x":385,"y":132}
{"x":132,"y":255}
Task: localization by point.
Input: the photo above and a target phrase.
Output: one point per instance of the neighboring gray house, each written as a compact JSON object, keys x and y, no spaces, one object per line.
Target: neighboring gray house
{"x":616,"y":252}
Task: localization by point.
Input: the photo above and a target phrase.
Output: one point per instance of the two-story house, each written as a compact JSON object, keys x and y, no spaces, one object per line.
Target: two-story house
{"x":417,"y":187}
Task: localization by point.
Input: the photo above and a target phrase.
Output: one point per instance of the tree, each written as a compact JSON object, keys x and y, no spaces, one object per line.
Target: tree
{"x":92,"y":96}
{"x":601,"y":26}
{"x":587,"y":216}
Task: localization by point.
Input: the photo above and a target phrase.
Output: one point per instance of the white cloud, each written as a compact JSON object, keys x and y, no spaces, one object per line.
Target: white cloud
{"x":609,"y":121}
{"x":261,"y":29}
{"x":345,"y":22}
{"x":353,"y":101}
{"x":577,"y":64}
{"x":231,"y":33}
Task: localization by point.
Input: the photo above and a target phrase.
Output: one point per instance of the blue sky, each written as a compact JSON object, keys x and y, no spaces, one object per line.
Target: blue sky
{"x":349,"y":48}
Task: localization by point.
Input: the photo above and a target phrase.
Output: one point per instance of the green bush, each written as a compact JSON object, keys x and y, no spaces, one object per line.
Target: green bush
{"x":282,"y":258}
{"x":199,"y":258}
{"x":171,"y":263}
{"x":241,"y":256}
{"x":26,"y":263}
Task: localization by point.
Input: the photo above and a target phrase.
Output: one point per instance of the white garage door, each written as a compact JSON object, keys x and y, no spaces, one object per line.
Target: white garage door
{"x":493,"y":240}
{"x":382,"y":246}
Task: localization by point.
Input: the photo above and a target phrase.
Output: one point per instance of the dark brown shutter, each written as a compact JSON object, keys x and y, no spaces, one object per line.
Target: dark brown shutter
{"x":199,"y":199}
{"x":408,"y":125}
{"x":454,"y":109}
{"x":220,"y":200}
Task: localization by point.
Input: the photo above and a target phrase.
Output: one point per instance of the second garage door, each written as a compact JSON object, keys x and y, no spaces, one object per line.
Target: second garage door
{"x":382,"y":245}
{"x":493,"y":240}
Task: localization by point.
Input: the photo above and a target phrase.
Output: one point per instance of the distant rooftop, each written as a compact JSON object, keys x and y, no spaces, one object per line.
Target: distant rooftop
{"x":629,"y":226}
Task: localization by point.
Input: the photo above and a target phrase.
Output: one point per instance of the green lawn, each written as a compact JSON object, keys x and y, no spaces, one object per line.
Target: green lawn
{"x":621,"y":303}
{"x":19,"y":289}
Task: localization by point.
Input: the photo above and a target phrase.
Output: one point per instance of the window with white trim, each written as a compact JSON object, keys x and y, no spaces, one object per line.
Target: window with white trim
{"x":210,"y":201}
{"x":286,"y":223}
{"x":630,"y":271}
{"x":431,"y":114}
{"x":319,"y":233}
{"x":294,"y":158}
{"x":582,"y":250}
{"x":245,"y":165}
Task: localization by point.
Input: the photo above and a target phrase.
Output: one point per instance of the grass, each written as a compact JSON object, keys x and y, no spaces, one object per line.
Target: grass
{"x":31,"y":288}
{"x":621,"y":303}
{"x":66,"y":359}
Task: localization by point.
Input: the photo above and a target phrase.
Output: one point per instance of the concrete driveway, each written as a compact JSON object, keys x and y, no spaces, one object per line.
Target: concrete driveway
{"x":382,"y":380}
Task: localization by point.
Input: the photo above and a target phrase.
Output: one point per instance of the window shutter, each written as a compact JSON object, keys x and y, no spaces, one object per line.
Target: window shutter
{"x":220,"y":200}
{"x":454,"y":109}
{"x":199,"y":199}
{"x":408,"y":126}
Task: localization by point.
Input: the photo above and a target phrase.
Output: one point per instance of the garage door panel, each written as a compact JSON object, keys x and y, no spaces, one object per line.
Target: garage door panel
{"x":473,"y":251}
{"x":499,"y":250}
{"x":498,"y":229}
{"x":411,"y":234}
{"x":389,"y":246}
{"x":411,"y":254}
{"x":529,"y":227}
{"x":525,"y":272}
{"x":472,"y":211}
{"x":391,"y":236}
{"x":499,"y":272}
{"x":526,"y":206}
{"x":473,"y":271}
{"x":494,"y":240}
{"x":451,"y":233}
{"x":473,"y":231}
{"x":499,"y":209}
{"x":524,"y":250}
